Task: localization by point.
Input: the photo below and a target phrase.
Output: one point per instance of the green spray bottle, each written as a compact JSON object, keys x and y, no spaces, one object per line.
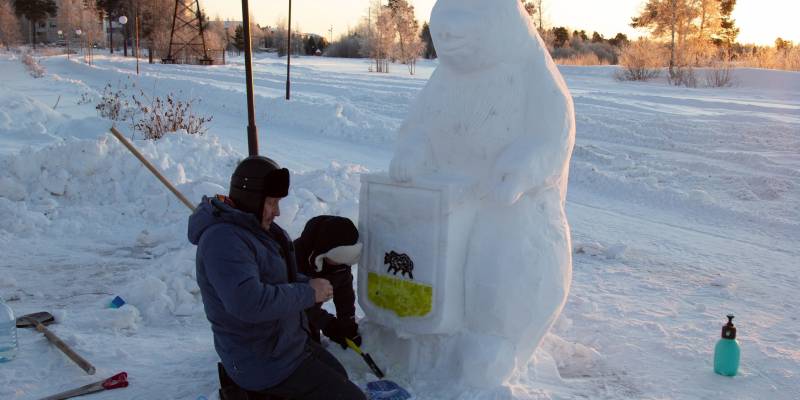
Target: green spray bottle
{"x":726,"y":353}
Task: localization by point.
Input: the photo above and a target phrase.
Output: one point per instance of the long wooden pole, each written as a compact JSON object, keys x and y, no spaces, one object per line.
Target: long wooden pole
{"x":152,"y":168}
{"x":75,"y":357}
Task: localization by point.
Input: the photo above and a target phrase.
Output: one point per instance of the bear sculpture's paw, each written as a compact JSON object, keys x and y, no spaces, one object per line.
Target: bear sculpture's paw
{"x":405,"y":165}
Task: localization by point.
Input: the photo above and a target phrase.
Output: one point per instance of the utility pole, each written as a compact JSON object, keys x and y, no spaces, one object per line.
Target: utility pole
{"x":137,"y":41}
{"x":289,"y":52}
{"x":331,"y":31}
{"x":110,"y":34}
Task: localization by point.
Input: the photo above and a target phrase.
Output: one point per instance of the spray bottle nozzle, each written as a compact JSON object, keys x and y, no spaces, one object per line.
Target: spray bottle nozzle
{"x":729,"y":330}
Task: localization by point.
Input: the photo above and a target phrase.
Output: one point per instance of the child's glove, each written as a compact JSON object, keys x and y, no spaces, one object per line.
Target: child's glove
{"x":338,"y":330}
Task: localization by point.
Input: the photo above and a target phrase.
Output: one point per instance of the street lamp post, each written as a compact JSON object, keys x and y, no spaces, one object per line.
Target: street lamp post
{"x":78,"y":35}
{"x":289,"y":52}
{"x":66,"y":37}
{"x":124,"y":20}
{"x":252,"y":131}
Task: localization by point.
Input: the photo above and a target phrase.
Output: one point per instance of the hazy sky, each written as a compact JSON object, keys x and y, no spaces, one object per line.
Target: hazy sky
{"x":761,"y":21}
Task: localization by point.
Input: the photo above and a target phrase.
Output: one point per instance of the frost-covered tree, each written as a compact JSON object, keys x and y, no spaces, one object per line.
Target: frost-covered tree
{"x":70,"y":15}
{"x":681,"y":22}
{"x":383,"y":39}
{"x":35,"y":11}
{"x":156,"y":25}
{"x":408,"y":45}
{"x":530,"y":8}
{"x":10,"y":33}
{"x":691,"y":27}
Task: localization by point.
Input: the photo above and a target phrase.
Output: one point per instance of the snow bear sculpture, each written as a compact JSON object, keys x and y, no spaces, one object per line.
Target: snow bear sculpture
{"x":497,"y":113}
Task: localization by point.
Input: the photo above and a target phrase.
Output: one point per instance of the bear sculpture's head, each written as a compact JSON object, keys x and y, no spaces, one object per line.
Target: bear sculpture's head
{"x":472,"y":35}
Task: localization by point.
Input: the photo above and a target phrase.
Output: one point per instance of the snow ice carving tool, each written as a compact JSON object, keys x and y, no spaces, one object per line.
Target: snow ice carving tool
{"x":119,"y":380}
{"x":367,"y":358}
{"x":39,"y":320}
{"x":382,"y":389}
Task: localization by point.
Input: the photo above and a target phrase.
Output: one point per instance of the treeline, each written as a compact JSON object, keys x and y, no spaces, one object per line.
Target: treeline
{"x":684,"y":35}
{"x":269,"y":38}
{"x":389,"y":33}
{"x":84,"y":21}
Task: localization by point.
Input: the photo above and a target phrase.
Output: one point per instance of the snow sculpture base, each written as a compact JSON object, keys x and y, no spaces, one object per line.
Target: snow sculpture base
{"x":410,"y":278}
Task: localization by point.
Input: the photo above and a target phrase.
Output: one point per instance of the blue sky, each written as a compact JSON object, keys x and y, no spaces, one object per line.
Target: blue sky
{"x":761,"y":21}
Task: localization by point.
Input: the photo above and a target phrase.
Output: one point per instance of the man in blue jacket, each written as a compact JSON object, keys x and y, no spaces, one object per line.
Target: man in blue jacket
{"x":253,"y":295}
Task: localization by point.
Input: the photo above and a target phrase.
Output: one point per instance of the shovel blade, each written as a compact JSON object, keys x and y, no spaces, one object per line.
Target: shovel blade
{"x":27,"y":321}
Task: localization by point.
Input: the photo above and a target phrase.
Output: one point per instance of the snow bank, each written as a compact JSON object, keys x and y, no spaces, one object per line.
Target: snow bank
{"x":39,"y":121}
{"x":95,"y":189}
{"x":766,"y":79}
{"x":88,"y":187}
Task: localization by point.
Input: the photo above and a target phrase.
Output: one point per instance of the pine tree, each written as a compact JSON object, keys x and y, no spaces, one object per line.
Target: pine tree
{"x":408,"y":42}
{"x":728,"y":31}
{"x":35,"y":11}
{"x":9,"y":25}
{"x":430,"y":51}
{"x":238,"y":38}
{"x":322,"y":43}
{"x":560,"y":36}
{"x":620,"y":40}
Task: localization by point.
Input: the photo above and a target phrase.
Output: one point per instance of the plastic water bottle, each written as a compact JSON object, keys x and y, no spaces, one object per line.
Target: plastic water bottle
{"x":8,"y":333}
{"x":726,"y":353}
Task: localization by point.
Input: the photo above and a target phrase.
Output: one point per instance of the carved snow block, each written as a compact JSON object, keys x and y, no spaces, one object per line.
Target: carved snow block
{"x":410,"y":277}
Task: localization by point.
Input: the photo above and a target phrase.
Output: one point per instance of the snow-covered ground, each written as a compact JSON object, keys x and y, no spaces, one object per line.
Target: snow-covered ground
{"x":683,"y":204}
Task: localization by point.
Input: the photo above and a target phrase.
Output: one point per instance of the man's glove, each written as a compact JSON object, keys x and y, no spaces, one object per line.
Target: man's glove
{"x":338,"y":330}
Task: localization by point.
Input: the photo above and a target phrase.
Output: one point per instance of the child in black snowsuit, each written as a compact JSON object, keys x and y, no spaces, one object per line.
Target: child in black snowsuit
{"x":327,"y":248}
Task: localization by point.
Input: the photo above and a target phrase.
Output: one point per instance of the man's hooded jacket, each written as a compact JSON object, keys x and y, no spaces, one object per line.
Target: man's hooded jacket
{"x":252,"y":294}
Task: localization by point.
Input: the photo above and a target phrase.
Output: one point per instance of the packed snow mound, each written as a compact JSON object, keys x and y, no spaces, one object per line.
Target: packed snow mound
{"x":761,"y":79}
{"x":39,"y":120}
{"x":102,"y":180}
{"x":98,"y":190}
{"x":106,"y":186}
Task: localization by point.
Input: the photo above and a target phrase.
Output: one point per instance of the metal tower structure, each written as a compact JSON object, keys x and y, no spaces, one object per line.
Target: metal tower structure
{"x":187,"y":42}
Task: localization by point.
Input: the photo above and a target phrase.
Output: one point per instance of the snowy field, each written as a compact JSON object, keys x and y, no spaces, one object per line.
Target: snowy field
{"x":684,"y":206}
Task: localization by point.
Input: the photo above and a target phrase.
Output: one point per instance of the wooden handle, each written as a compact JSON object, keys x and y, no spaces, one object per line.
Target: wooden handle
{"x":87,"y":366}
{"x":152,"y":168}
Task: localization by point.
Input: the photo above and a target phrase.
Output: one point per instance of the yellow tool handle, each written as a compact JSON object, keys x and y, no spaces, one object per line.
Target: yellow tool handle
{"x":353,"y":346}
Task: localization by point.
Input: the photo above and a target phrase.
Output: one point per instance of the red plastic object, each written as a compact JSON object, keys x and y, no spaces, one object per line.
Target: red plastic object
{"x":117,"y":381}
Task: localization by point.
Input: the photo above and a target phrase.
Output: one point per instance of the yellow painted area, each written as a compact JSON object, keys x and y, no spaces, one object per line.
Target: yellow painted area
{"x":405,"y":298}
